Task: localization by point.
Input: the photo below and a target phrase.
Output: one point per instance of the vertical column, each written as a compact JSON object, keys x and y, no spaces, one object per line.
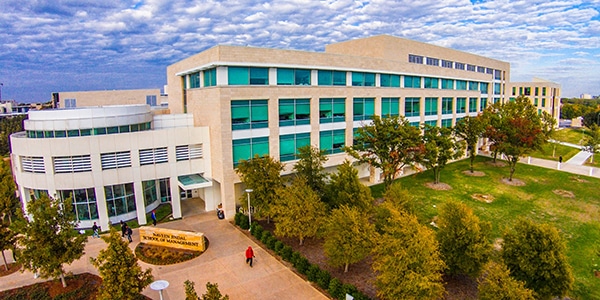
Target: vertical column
{"x":140,"y":205}
{"x":103,"y":218}
{"x":175,"y":197}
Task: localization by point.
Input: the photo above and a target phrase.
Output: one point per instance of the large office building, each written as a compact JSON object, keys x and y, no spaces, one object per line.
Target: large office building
{"x":544,"y":94}
{"x":239,"y":102}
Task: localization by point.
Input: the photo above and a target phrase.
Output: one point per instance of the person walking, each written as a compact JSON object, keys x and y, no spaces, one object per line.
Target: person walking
{"x":128,"y":232}
{"x":95,"y":229}
{"x":153,"y":216}
{"x":249,"y":255}
{"x":123,"y":228}
{"x":560,"y":159}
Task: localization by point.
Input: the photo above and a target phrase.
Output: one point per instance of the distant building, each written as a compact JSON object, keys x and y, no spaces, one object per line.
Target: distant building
{"x":544,"y":94}
{"x":585,"y":96}
{"x":152,"y":97}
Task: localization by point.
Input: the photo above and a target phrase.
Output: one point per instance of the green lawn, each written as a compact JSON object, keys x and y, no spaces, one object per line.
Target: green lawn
{"x":558,"y":150}
{"x":570,"y":135}
{"x":577,"y":218}
{"x":596,"y":162}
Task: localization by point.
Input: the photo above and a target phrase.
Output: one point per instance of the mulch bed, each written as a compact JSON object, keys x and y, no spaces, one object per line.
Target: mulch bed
{"x":513,"y":182}
{"x":12,"y":267}
{"x":474,"y":173}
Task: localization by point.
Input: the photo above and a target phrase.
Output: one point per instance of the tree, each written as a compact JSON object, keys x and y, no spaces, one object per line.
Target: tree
{"x":388,"y":144}
{"x":122,"y":276}
{"x":591,"y":117}
{"x":440,"y":148}
{"x":535,"y":253}
{"x":496,"y":283}
{"x":349,"y":236}
{"x":463,"y":238}
{"x":407,"y":260}
{"x":310,"y":166}
{"x":190,"y":291}
{"x":48,"y":238}
{"x":8,"y":126}
{"x":470,"y":129}
{"x":262,"y":175}
{"x":213,"y":293}
{"x":400,"y":197}
{"x":491,"y":122}
{"x":7,"y":240}
{"x":298,"y":211}
{"x":521,"y":131}
{"x":592,"y":141}
{"x":344,"y":188}
{"x":9,"y":203}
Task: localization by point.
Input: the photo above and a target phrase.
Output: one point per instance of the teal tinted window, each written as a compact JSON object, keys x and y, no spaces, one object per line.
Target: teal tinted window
{"x":73,"y":132}
{"x":473,"y":85}
{"x":431,"y":122}
{"x":363,"y":108}
{"x":210,"y":77}
{"x":332,"y":141}
{"x":411,"y":106}
{"x":496,"y":100}
{"x":112,"y":130}
{"x":412,"y":82}
{"x":461,"y":85}
{"x":289,"y":144}
{"x":390,"y":107}
{"x":447,"y":123}
{"x":238,"y":76}
{"x":483,"y":87}
{"x":302,"y":77}
{"x":447,"y":84}
{"x":245,"y":149}
{"x":497,"y":89}
{"x":337,"y":78}
{"x":363,"y":79}
{"x":294,"y":112}
{"x":446,"y":106}
{"x":431,"y":83}
{"x":247,"y":114}
{"x":285,"y":76}
{"x":48,"y":134}
{"x":124,"y":128}
{"x":135,"y":127}
{"x":543,"y":102}
{"x":195,"y":80}
{"x":85,"y":132}
{"x":535,"y":102}
{"x":259,"y":76}
{"x":431,"y":106}
{"x":389,"y":80}
{"x":332,"y":110}
{"x":461,"y":105}
{"x":414,"y":124}
{"x":99,"y":131}
{"x":472,"y":104}
{"x":482,"y":104}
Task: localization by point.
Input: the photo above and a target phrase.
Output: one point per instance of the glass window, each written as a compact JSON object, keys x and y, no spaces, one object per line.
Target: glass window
{"x":480,"y":69}
{"x":332,"y":110}
{"x":210,"y":77}
{"x":363,"y":109}
{"x":50,"y":134}
{"x":124,"y":128}
{"x":472,"y":104}
{"x":150,"y":192}
{"x":120,"y":199}
{"x":447,"y":84}
{"x":537,"y":91}
{"x":461,"y":105}
{"x":412,"y":82}
{"x":483,"y":87}
{"x":482,"y":104}
{"x":447,"y":123}
{"x":417,"y":59}
{"x":363,"y":79}
{"x":112,"y":130}
{"x":543,"y":102}
{"x":446,"y":106}
{"x":389,"y":80}
{"x":497,"y":88}
{"x":259,"y":76}
{"x":431,"y":83}
{"x":473,"y":85}
{"x":71,"y":133}
{"x":151,"y":100}
{"x":294,"y":112}
{"x":332,"y":141}
{"x":527,"y":91}
{"x":247,"y":114}
{"x":247,"y":76}
{"x":337,"y":78}
{"x":195,"y":80}
{"x":411,"y":106}
{"x":489,"y":71}
{"x":471,"y":68}
{"x":433,"y":61}
{"x":447,"y":64}
{"x":543,"y":91}
{"x":285,"y":76}
{"x":497,"y":74}
{"x":245,"y":149}
{"x":459,"y":66}
{"x":390,"y":107}
{"x":289,"y":144}
{"x":431,"y":106}
{"x":461,"y":84}
{"x":83,"y":201}
{"x":431,"y":123}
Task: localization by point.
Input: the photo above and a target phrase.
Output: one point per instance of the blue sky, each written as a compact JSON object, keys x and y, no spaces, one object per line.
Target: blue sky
{"x":73,"y":45}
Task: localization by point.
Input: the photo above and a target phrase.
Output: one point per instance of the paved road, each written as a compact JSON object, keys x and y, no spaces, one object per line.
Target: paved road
{"x":223,"y":263}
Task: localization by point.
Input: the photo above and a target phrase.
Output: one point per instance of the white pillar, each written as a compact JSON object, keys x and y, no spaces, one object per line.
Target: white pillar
{"x":591,"y":171}
{"x":529,"y":160}
{"x":140,"y":204}
{"x":103,"y":219}
{"x":558,"y":166}
{"x":175,"y":197}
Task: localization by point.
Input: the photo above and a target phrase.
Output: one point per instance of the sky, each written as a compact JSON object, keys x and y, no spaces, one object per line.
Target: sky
{"x":82,"y":45}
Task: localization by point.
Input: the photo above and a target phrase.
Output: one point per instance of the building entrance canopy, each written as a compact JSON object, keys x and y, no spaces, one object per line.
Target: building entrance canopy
{"x":193,"y":181}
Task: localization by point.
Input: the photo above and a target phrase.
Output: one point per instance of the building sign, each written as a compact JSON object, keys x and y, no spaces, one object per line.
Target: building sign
{"x":172,"y":238}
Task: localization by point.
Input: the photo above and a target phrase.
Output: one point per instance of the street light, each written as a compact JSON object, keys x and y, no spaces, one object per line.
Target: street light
{"x":248,"y":191}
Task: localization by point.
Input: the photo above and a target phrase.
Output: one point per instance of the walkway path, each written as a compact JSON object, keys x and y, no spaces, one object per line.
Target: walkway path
{"x":222,"y":263}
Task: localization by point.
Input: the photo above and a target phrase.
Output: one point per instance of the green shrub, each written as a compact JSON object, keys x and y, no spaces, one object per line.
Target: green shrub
{"x":286,"y":253}
{"x":266,"y":235}
{"x":323,"y":279}
{"x":39,"y":293}
{"x":256,"y":230}
{"x":360,"y":296}
{"x":302,"y":265}
{"x":271,"y":242}
{"x":295,"y":257}
{"x":313,"y":272}
{"x":278,"y":247}
{"x":237,"y":218}
{"x":335,"y":289}
{"x":349,"y":289}
{"x":244,"y":222}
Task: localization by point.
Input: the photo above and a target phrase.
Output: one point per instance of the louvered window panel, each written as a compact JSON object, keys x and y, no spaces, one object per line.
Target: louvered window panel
{"x":153,"y":156}
{"x":115,"y":160}
{"x":188,"y":152}
{"x":72,"y":164}
{"x":32,"y":164}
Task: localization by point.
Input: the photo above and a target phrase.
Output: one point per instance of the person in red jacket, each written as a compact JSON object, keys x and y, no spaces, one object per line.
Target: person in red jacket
{"x":249,"y":255}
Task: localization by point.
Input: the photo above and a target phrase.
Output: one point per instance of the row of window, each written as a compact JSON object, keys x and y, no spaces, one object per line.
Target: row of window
{"x":285,"y":76}
{"x":526,"y":91}
{"x":41,"y":134}
{"x":111,"y":160}
{"x":431,"y":61}
{"x":252,"y":114}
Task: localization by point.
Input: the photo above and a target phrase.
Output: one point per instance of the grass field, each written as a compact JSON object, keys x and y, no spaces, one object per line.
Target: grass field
{"x":558,"y":150}
{"x":545,"y":198}
{"x":570,"y":135}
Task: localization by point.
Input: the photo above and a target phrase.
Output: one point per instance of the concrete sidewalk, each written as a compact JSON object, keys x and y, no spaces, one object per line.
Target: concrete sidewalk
{"x":223,"y":263}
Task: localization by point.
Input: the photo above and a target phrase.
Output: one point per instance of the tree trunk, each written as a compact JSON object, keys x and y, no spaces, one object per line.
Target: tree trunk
{"x":346,"y":268}
{"x":62,"y":279}
{"x":513,"y":164}
{"x":4,"y":258}
{"x":436,"y":175}
{"x":554,"y":150}
{"x":472,"y":161}
{"x":301,"y":241}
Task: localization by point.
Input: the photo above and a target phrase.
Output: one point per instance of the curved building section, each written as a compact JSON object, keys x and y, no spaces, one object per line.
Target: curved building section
{"x":116,"y":162}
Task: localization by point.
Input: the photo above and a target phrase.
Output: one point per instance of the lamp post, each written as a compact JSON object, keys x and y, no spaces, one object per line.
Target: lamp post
{"x":248,"y":191}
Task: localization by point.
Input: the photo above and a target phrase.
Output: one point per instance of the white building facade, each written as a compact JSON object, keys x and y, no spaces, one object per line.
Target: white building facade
{"x":116,"y":162}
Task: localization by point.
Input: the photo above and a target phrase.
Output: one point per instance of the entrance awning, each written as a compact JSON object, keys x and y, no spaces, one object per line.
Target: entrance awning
{"x":193,"y":181}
